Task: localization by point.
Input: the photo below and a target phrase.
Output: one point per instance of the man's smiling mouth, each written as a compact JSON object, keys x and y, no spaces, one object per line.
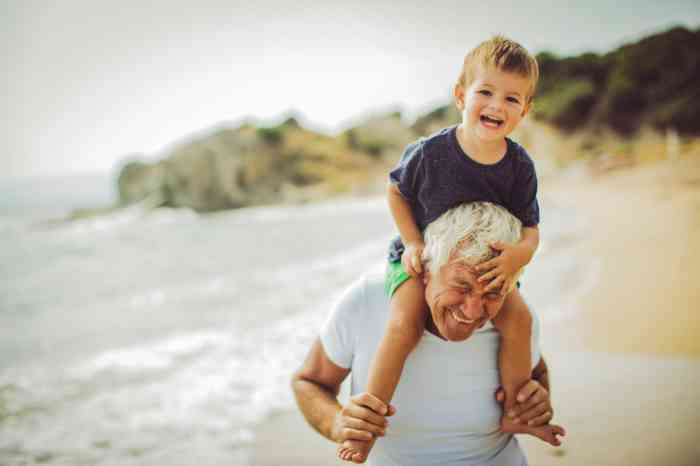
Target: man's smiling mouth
{"x":456,"y":315}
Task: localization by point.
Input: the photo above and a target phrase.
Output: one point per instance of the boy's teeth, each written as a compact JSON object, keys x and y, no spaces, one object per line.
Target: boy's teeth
{"x":491,"y":120}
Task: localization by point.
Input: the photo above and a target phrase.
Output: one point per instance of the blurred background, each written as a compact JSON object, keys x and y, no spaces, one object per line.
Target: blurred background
{"x":187,"y":186}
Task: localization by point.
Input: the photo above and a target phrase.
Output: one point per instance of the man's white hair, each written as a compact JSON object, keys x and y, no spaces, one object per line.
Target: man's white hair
{"x":466,"y":231}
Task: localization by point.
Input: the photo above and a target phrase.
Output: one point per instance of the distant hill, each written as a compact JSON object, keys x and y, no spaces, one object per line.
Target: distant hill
{"x":655,"y":82}
{"x":232,"y":167}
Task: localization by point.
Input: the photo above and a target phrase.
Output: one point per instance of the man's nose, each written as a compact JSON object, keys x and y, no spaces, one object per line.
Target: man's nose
{"x":473,"y":307}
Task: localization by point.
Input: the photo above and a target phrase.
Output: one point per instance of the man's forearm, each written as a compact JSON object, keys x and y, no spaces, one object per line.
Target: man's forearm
{"x":541,"y":374}
{"x":318,"y":404}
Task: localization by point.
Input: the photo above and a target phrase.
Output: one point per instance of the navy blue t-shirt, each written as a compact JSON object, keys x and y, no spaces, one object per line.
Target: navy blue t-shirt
{"x":434,"y":175}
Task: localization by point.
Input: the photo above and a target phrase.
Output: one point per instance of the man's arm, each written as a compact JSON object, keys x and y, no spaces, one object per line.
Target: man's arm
{"x":316,"y":385}
{"x":541,"y":374}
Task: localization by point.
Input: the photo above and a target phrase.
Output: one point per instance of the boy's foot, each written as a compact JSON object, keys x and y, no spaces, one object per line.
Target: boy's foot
{"x":355,"y":451}
{"x":549,"y":433}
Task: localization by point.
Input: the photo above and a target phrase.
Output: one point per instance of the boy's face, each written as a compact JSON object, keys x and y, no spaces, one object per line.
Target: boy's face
{"x":493,"y":104}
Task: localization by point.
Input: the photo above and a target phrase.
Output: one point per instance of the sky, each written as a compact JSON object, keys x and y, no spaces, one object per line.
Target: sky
{"x":90,"y":83}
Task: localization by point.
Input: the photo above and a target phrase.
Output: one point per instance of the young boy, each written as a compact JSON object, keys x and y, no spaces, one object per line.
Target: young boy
{"x":473,"y":161}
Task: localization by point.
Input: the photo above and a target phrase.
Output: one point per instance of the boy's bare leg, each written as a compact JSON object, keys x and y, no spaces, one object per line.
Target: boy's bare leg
{"x":404,"y":330}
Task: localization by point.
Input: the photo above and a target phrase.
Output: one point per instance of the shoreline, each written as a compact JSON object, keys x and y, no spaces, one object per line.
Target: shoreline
{"x":625,"y":367}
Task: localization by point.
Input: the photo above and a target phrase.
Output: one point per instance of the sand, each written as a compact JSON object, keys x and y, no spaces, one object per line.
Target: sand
{"x":626,"y":367}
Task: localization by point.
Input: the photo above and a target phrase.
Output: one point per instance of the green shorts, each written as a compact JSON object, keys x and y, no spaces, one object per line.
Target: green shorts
{"x":394,"y":277}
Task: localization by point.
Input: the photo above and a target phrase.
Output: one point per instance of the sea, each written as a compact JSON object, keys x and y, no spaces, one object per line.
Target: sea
{"x":165,"y":337}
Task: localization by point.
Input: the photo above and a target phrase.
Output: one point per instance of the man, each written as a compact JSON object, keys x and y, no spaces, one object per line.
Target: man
{"x":445,"y":410}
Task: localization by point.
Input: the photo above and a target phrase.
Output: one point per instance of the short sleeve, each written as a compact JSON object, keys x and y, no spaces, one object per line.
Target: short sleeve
{"x":524,"y":203}
{"x":407,"y":173}
{"x":337,"y":331}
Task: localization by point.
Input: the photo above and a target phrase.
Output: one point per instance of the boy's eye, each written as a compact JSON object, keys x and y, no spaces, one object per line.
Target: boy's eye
{"x":514,"y":100}
{"x":485,"y":92}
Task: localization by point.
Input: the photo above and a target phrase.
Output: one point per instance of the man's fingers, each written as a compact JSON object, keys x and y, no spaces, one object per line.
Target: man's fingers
{"x":370,"y":401}
{"x":359,"y":424}
{"x":356,"y":434}
{"x":540,"y":420}
{"x":527,"y":390}
{"x":527,"y":415}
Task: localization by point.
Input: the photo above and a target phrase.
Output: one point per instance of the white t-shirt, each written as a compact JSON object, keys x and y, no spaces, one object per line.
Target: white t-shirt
{"x":446,"y":409}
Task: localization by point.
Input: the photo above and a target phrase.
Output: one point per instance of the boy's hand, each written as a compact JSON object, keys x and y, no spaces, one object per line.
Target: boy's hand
{"x":500,"y":271}
{"x":411,"y":258}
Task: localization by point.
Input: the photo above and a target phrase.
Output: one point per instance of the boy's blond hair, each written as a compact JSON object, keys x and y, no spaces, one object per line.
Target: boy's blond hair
{"x":505,"y":55}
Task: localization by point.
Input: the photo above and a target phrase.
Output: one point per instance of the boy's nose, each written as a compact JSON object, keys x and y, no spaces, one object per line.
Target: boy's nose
{"x":496,"y":104}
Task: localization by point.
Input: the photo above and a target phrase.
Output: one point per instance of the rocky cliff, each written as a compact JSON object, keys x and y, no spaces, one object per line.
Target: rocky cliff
{"x":246,"y":165}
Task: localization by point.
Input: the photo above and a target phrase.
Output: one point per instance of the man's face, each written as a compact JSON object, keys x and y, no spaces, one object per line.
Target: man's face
{"x":457,"y":301}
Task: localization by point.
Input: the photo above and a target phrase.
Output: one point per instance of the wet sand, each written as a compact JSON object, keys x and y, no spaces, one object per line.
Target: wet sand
{"x":625,"y":367}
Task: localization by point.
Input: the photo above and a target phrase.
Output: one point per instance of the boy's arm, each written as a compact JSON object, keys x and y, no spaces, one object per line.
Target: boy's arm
{"x":403,"y":216}
{"x":410,"y":234}
{"x":529,"y":241}
{"x":316,"y":385}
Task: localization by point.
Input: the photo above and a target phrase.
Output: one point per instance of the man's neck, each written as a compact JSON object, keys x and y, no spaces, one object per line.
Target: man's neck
{"x":432,"y":328}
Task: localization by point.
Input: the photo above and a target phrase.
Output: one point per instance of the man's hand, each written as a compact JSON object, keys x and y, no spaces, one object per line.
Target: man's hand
{"x":363,"y":418}
{"x":412,"y":258}
{"x":500,"y":271}
{"x":533,"y":407}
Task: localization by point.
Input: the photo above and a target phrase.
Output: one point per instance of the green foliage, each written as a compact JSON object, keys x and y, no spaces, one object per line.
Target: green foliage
{"x":567,"y":105}
{"x":652,"y":81}
{"x":272,"y":135}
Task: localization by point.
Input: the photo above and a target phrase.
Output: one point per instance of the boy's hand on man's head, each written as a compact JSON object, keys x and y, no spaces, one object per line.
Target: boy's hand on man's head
{"x":412,"y":258}
{"x":501,"y":271}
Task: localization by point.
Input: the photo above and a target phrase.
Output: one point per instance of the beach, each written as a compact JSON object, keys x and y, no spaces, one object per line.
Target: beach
{"x":625,"y":366}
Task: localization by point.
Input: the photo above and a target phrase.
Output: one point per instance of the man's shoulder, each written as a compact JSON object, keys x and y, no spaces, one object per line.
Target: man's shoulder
{"x":364,"y":295}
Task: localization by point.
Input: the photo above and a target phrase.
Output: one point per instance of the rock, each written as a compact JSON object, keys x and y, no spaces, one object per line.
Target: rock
{"x":139,"y":180}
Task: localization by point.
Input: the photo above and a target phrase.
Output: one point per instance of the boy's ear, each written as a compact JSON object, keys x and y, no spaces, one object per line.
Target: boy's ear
{"x":459,"y":96}
{"x":528,"y":107}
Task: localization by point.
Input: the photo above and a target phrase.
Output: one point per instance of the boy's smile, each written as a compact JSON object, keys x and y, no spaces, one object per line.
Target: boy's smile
{"x":492,"y":106}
